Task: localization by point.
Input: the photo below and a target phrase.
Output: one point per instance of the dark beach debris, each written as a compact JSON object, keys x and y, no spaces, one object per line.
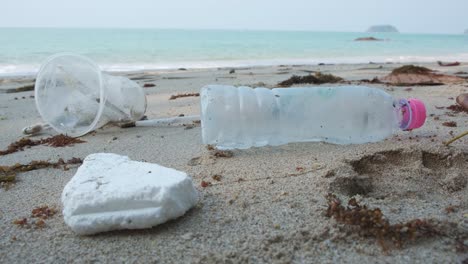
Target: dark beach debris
{"x":232,"y":71}
{"x":130,"y":123}
{"x":61,"y":141}
{"x":127,"y":124}
{"x":450,"y":124}
{"x":372,"y":223}
{"x":410,"y":75}
{"x":182,"y":69}
{"x":411,"y":69}
{"x":6,"y":175}
{"x":22,"y":222}
{"x":173,"y":97}
{"x":374,"y":80}
{"x":457,"y":108}
{"x":188,"y":126}
{"x":177,"y":77}
{"x":38,"y":164}
{"x":216,"y":177}
{"x":148,"y":85}
{"x":451,"y":209}
{"x":19,"y":146}
{"x":38,"y":217}
{"x":43,"y":212}
{"x":222,"y":153}
{"x":55,"y":141}
{"x":17,"y":88}
{"x":205,"y":184}
{"x":448,"y":64}
{"x":317,"y":78}
{"x":368,"y":39}
{"x":371,"y":68}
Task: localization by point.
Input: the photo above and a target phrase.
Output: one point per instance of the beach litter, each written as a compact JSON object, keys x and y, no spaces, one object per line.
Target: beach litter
{"x":74,"y":97}
{"x":112,"y":192}
{"x":409,"y":75}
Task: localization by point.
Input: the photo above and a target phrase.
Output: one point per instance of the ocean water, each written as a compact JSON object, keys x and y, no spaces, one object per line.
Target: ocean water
{"x":23,"y":49}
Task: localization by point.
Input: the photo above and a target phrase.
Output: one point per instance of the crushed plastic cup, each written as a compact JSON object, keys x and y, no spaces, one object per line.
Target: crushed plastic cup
{"x":74,"y":97}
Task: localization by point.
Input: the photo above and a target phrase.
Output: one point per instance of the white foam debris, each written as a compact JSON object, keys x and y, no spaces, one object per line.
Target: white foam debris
{"x":110,"y":192}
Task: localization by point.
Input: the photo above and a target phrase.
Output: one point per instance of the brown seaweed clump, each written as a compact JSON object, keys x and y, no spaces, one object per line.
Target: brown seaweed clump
{"x":411,"y":69}
{"x":317,"y":78}
{"x":371,"y":222}
{"x":55,"y":141}
{"x":37,"y":164}
{"x":43,"y":212}
{"x":408,"y":75}
{"x":173,"y":97}
{"x":457,"y":108}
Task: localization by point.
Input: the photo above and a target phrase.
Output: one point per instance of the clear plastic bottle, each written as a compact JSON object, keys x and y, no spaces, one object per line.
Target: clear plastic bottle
{"x":242,"y":117}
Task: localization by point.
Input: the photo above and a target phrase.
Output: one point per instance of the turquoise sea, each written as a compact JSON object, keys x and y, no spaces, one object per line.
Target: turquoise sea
{"x":23,"y":49}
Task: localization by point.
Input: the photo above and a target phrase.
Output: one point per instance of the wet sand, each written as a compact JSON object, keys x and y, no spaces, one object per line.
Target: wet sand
{"x":268,"y":204}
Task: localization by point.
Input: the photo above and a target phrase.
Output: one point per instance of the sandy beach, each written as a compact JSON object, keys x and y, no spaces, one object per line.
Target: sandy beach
{"x":267,"y":205}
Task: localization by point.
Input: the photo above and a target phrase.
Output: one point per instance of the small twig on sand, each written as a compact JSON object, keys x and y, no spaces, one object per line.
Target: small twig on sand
{"x":456,"y":138}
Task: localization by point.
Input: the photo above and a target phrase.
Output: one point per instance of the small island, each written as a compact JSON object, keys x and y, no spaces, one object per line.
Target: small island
{"x":383,"y":28}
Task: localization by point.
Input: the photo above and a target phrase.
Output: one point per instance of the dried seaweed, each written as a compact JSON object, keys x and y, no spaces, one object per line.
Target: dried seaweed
{"x":43,"y":212}
{"x":317,"y":78}
{"x":457,"y":108}
{"x":371,"y":222}
{"x":55,"y":141}
{"x":19,"y":146}
{"x":222,"y":153}
{"x":38,"y":164}
{"x":173,"y":97}
{"x":6,"y":176}
{"x":411,"y":69}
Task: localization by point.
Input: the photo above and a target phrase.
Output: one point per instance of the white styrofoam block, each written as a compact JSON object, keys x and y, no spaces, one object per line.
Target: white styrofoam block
{"x":110,"y":192}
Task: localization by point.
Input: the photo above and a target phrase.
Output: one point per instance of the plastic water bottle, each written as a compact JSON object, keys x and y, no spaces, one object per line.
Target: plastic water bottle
{"x":242,"y":117}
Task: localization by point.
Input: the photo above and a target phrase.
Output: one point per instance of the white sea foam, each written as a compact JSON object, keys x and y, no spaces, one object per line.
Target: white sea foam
{"x":30,"y":69}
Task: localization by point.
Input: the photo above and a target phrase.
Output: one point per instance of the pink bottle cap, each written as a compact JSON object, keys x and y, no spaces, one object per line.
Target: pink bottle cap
{"x":414,"y":114}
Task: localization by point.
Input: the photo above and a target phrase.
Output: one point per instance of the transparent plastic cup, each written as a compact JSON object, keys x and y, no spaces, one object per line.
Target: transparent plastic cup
{"x":74,"y":97}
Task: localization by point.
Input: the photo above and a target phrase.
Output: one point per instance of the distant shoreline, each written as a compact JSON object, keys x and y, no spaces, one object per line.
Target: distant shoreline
{"x":127,"y":69}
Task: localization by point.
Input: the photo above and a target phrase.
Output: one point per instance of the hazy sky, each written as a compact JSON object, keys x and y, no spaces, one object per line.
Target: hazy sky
{"x":425,"y":16}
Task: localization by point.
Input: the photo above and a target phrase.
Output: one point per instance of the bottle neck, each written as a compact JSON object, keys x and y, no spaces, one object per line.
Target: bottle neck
{"x":404,"y":113}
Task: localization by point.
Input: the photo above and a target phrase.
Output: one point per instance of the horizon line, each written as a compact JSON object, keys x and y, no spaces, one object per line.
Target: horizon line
{"x":225,"y":29}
